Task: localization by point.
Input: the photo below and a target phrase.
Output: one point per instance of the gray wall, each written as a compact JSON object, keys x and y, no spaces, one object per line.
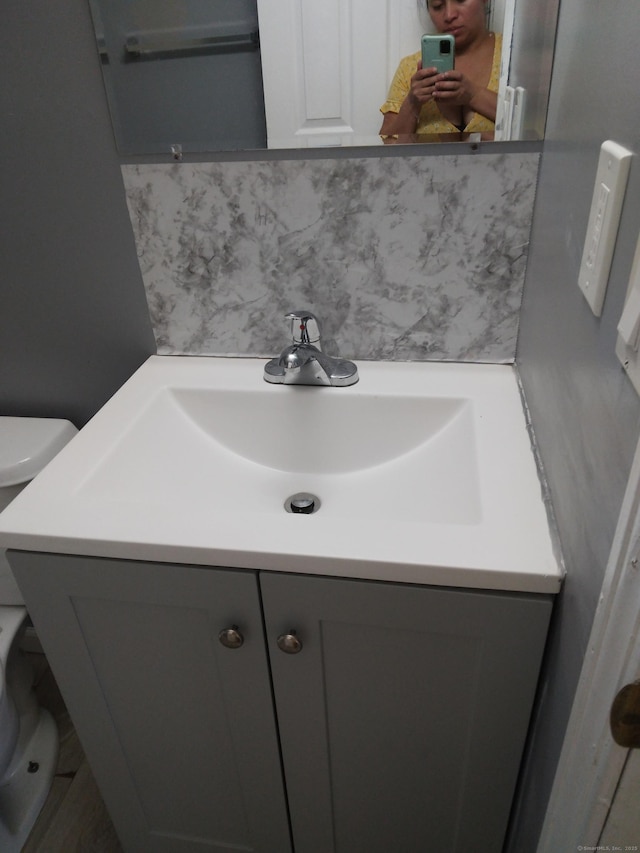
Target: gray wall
{"x":73,"y":316}
{"x":586,"y":416}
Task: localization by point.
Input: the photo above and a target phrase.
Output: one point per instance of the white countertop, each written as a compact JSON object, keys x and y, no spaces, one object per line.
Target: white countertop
{"x":146,"y":479}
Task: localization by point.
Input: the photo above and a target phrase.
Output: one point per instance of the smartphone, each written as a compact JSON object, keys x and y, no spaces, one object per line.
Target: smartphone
{"x":438,"y":52}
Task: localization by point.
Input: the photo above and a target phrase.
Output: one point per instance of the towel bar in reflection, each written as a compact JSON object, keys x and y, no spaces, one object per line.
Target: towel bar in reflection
{"x":158,"y":47}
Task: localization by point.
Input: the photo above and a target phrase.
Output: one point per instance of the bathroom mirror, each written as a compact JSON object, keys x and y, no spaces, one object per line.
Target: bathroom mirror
{"x":198,"y":76}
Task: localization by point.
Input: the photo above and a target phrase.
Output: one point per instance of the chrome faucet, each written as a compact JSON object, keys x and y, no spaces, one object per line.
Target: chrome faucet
{"x":303,"y":362}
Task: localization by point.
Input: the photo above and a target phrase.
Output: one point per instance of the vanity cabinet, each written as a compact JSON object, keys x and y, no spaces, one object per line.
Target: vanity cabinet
{"x":368,"y":717}
{"x":179,"y":730}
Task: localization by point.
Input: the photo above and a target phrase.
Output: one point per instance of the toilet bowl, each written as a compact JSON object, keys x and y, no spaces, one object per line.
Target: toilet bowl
{"x":28,"y":734}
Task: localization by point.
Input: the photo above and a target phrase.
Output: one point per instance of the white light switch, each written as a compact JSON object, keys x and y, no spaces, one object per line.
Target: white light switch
{"x":629,"y":325}
{"x":604,"y":219}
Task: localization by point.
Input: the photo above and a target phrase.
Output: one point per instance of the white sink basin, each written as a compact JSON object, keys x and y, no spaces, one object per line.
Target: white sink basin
{"x":218,"y":437}
{"x":423,"y":473}
{"x":300,"y":430}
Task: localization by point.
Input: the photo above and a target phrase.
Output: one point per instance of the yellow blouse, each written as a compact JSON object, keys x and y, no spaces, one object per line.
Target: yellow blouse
{"x":431,"y":119}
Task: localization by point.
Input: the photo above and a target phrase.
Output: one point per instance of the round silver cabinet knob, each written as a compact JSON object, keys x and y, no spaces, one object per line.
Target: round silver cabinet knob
{"x":231,"y":637}
{"x":289,"y":643}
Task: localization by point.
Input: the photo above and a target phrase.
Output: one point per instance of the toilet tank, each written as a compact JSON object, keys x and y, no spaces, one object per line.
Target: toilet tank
{"x":26,"y":446}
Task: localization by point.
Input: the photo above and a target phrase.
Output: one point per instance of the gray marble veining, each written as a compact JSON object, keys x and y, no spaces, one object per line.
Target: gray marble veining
{"x":401,"y":258}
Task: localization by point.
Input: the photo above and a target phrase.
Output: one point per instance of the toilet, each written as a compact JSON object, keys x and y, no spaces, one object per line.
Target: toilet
{"x":28,"y":733}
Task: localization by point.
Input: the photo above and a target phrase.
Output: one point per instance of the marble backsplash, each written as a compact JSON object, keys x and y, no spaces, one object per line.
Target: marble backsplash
{"x":415,"y":258}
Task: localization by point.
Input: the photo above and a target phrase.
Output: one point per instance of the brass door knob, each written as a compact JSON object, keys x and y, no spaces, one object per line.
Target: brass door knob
{"x":625,"y":716}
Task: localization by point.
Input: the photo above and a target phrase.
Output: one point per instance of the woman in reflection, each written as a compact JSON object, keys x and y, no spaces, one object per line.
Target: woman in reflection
{"x":422,"y":101}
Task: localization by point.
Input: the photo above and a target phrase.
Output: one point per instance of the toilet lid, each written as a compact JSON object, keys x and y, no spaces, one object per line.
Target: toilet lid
{"x":28,"y":444}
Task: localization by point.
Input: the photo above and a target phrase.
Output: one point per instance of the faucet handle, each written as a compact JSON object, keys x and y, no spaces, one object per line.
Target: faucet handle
{"x":305,"y":328}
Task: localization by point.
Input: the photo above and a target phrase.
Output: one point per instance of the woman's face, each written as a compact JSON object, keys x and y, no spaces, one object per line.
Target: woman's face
{"x":463,"y":19}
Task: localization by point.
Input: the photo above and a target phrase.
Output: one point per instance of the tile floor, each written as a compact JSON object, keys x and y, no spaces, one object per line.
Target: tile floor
{"x":73,"y":819}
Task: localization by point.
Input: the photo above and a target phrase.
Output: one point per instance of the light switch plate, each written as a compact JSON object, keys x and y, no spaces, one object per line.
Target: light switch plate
{"x":604,"y":219}
{"x":629,"y":354}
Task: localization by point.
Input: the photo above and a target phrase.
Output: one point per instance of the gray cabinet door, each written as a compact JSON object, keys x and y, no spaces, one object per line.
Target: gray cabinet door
{"x":178,"y":729}
{"x":403,"y":717}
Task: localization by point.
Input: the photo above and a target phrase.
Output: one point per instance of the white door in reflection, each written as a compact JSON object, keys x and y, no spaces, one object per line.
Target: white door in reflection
{"x":327,"y":67}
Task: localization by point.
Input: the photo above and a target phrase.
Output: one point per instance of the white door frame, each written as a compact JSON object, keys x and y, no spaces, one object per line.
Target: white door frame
{"x":591,"y":763}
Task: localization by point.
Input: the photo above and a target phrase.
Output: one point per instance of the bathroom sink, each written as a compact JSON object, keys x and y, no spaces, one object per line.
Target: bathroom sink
{"x":216,"y":436}
{"x":302,"y":431}
{"x":422,"y":472}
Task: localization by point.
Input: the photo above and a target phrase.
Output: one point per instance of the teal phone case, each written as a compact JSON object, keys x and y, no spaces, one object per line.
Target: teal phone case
{"x":438,"y":52}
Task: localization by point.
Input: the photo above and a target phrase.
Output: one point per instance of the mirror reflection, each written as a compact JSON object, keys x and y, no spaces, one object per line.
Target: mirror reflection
{"x":191,"y":76}
{"x":181,"y":74}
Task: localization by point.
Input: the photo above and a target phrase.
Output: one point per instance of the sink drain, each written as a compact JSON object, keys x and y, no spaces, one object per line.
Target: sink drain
{"x":302,"y":503}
